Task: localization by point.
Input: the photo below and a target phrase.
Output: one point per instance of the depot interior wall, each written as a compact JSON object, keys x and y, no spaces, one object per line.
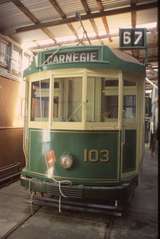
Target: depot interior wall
{"x":11,"y":131}
{"x":8,"y":101}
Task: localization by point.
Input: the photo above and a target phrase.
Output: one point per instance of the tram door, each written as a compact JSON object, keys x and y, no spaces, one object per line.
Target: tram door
{"x":129,"y":132}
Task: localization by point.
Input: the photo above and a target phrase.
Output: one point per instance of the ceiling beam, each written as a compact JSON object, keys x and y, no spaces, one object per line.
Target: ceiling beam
{"x":58,"y":8}
{"x":71,"y":42}
{"x":85,"y":6}
{"x":63,"y":15}
{"x":27,"y":12}
{"x":87,"y":16}
{"x":133,"y":13}
{"x":92,"y":21}
{"x":73,"y":30}
{"x":4,"y":1}
{"x":49,"y":34}
{"x":105,"y":36}
{"x":135,"y":52}
{"x":104,"y":19}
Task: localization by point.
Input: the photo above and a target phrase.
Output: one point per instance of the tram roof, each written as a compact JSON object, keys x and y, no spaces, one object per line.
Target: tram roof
{"x":90,"y":57}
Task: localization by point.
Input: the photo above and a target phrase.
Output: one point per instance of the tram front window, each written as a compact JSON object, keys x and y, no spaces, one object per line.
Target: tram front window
{"x":67,"y":99}
{"x":102,"y":99}
{"x":109,"y":107}
{"x":40,"y":100}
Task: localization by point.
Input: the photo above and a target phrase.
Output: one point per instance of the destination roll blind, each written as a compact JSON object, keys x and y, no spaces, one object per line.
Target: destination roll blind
{"x":71,"y":57}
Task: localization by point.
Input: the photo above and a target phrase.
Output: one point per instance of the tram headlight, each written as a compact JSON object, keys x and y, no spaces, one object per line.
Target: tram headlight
{"x":66,"y":161}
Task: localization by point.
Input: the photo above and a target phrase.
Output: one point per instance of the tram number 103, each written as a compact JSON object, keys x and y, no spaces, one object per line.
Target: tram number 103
{"x":94,"y":155}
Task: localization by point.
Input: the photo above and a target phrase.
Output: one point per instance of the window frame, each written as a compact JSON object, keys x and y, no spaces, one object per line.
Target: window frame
{"x":127,"y":122}
{"x":47,"y":118}
{"x":6,"y":57}
{"x":118,"y":124}
{"x":16,"y":63}
{"x":67,"y":124}
{"x":54,"y":94}
{"x":108,"y":91}
{"x":33,"y":78}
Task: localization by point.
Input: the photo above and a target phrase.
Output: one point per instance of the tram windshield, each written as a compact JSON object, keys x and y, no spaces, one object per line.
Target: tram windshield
{"x":100,"y":102}
{"x":67,"y":99}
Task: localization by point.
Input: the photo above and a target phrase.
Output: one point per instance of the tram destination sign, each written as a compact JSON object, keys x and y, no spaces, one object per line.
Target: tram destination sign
{"x":71,"y":57}
{"x":132,"y":38}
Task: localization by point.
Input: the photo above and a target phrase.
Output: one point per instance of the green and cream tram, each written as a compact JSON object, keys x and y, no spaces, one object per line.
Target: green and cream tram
{"x":84,"y":123}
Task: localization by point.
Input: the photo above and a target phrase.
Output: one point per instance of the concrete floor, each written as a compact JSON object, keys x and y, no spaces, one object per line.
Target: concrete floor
{"x":139,"y":223}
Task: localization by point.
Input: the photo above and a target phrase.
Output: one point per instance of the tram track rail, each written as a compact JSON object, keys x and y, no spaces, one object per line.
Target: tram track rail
{"x":37,"y":202}
{"x":35,"y":210}
{"x":108,"y":229}
{"x":20,"y":223}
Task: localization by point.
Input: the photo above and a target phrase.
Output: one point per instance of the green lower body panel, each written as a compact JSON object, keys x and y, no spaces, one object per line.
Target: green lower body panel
{"x":96,"y":155}
{"x":95,"y":173}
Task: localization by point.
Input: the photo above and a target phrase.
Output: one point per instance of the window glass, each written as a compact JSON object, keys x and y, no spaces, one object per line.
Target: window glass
{"x":26,"y":61}
{"x":40,"y":100}
{"x":109,"y":99}
{"x":109,"y":107}
{"x":16,"y":60}
{"x":129,"y":106}
{"x":67,"y":99}
{"x":129,"y":83}
{"x":148,"y":106}
{"x":102,"y":99}
{"x":110,"y":83}
{"x":3,"y":53}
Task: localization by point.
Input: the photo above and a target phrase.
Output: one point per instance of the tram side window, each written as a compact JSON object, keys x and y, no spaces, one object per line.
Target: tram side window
{"x":109,"y":99}
{"x":40,"y":100}
{"x":109,"y":107}
{"x":129,"y":106}
{"x":129,"y":100}
{"x":67,"y":99}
